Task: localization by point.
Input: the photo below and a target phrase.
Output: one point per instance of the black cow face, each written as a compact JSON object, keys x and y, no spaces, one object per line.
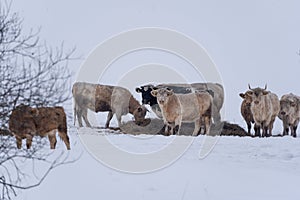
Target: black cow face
{"x":147,"y":97}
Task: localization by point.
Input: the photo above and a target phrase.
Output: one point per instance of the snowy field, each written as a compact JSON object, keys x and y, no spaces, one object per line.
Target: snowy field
{"x":236,"y":168}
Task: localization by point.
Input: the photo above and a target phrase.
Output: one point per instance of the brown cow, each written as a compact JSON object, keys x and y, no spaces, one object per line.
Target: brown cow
{"x":102,"y":98}
{"x":265,"y":107}
{"x":290,"y":113}
{"x":27,"y":122}
{"x":178,"y":108}
{"x":246,"y":110}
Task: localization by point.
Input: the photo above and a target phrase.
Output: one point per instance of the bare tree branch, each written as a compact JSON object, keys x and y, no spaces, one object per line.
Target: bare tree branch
{"x":35,"y":74}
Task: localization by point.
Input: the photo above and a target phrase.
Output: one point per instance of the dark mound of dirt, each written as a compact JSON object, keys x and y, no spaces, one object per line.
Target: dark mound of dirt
{"x":156,"y":127}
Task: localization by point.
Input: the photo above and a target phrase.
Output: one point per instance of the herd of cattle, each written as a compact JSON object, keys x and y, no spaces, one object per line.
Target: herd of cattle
{"x":199,"y":103}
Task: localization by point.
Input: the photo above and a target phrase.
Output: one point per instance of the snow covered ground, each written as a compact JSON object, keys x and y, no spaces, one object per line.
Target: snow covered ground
{"x":236,"y":168}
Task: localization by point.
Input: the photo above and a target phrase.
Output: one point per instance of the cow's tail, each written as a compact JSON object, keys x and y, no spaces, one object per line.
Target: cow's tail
{"x":75,"y":104}
{"x":75,"y":111}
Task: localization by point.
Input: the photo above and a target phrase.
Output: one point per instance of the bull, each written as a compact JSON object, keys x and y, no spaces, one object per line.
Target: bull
{"x":265,"y":107}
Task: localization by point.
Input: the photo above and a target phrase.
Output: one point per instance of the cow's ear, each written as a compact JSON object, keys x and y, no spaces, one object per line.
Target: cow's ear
{"x":293,"y":103}
{"x":154,"y":93}
{"x":212,"y":94}
{"x":169,"y":92}
{"x":265,"y":92}
{"x":242,"y":95}
{"x":138,"y":90}
{"x":34,"y":111}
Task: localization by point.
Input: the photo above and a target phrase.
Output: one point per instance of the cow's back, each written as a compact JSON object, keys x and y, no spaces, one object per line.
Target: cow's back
{"x":103,"y":98}
{"x":275,"y":104}
{"x":188,"y":105}
{"x":50,"y":118}
{"x":120,"y":100}
{"x":95,"y":97}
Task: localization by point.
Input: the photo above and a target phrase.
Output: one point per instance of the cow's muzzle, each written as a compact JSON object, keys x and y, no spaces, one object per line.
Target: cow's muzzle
{"x":282,"y":113}
{"x":161,"y":102}
{"x":256,"y":102}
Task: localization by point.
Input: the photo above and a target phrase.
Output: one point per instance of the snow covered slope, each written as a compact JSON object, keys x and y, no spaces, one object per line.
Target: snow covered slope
{"x":237,"y":168}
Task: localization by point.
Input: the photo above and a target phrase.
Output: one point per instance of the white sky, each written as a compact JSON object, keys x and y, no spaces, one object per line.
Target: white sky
{"x":252,"y":42}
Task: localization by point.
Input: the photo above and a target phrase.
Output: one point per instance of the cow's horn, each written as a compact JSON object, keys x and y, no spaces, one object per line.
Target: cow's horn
{"x":249,"y":87}
{"x":265,"y":86}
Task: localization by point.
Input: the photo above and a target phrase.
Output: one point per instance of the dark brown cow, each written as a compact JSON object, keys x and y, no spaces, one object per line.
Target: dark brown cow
{"x":27,"y":122}
{"x":246,"y":110}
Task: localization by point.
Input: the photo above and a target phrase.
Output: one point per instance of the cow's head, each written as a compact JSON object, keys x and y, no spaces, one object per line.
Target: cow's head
{"x":288,"y":105}
{"x":162,"y":94}
{"x":257,"y":94}
{"x":139,"y":114}
{"x":147,"y":98}
{"x":26,"y":110}
{"x":247,"y":97}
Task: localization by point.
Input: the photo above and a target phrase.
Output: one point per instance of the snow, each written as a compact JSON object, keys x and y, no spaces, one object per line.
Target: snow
{"x":236,"y":168}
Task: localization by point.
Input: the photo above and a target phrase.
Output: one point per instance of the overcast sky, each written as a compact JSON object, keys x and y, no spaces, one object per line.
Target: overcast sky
{"x":252,"y":42}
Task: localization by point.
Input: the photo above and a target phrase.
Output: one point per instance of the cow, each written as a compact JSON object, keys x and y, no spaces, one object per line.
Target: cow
{"x":265,"y":107}
{"x":105,"y":98}
{"x":246,"y":110}
{"x":215,"y":89}
{"x":290,"y":113}
{"x":178,"y":108}
{"x":27,"y":122}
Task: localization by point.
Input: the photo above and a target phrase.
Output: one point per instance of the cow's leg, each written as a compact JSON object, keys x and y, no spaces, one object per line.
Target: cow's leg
{"x":84,"y":115}
{"x":293,"y":130}
{"x":119,"y":118}
{"x":79,"y":117}
{"x":265,"y":131}
{"x":257,"y":130}
{"x":197,"y":127}
{"x":249,"y":127}
{"x":177,"y":125}
{"x":285,"y":128}
{"x":19,"y":142}
{"x":109,"y":117}
{"x":207,"y":121}
{"x":28,"y":141}
{"x":216,"y":114}
{"x":52,"y":139}
{"x":271,"y":127}
{"x":64,"y":136}
{"x":168,"y":129}
{"x":176,"y":129}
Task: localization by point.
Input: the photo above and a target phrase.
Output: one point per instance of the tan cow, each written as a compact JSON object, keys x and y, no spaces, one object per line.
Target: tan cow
{"x":215,"y":89}
{"x":246,"y":110}
{"x":290,"y":113}
{"x":178,"y":108}
{"x":27,"y":122}
{"x":102,"y":98}
{"x":265,"y":107}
